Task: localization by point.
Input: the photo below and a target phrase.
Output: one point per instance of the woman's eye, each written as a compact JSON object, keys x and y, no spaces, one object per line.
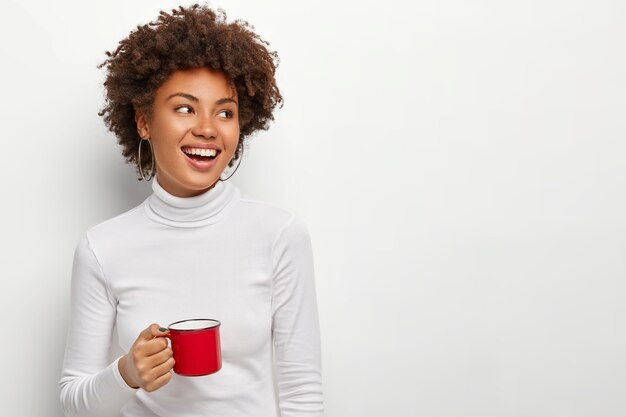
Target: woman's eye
{"x":184,"y":107}
{"x":227,"y":113}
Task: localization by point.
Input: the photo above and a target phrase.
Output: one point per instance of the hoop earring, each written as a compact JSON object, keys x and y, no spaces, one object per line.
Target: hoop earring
{"x":140,"y":164}
{"x":237,"y":167}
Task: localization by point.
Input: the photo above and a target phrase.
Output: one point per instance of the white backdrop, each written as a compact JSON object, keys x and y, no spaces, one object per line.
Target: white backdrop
{"x":460,"y":165}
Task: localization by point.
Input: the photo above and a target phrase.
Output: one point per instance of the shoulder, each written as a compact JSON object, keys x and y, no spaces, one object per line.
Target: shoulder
{"x":117,"y":223}
{"x":114,"y":230}
{"x":276,"y":221}
{"x":262,"y":212}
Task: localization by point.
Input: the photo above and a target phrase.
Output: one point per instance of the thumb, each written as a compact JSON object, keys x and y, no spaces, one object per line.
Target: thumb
{"x":152,"y":331}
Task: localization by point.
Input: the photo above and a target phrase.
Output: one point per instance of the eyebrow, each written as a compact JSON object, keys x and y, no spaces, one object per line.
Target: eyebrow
{"x":194,"y":98}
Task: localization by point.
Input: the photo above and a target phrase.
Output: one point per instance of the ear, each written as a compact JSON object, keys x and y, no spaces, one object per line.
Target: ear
{"x":143,"y":128}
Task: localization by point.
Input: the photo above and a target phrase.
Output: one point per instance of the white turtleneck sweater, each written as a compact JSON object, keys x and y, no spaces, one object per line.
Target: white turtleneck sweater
{"x":217,"y":255}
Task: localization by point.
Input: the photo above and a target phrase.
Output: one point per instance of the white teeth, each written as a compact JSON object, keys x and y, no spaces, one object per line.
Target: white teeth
{"x":201,"y":152}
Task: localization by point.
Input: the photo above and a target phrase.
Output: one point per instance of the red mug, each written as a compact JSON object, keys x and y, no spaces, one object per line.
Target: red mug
{"x":196,"y":346}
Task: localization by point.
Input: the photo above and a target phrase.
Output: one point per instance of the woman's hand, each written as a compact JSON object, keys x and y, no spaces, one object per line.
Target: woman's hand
{"x":148,"y":363}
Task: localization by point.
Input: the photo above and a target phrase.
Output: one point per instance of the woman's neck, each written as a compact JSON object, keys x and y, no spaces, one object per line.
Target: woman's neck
{"x":199,"y":210}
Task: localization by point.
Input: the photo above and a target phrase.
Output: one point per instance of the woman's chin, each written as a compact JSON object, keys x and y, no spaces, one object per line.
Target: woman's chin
{"x":199,"y":187}
{"x":189,"y":185}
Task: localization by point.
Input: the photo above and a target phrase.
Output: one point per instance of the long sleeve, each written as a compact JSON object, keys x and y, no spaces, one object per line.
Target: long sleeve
{"x":295,"y":324}
{"x":89,"y":384}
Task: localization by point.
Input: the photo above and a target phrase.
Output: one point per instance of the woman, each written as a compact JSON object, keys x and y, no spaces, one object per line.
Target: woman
{"x":183,"y":95}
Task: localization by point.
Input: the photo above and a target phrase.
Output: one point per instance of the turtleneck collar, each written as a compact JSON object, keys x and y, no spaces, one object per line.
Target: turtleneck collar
{"x":206,"y":208}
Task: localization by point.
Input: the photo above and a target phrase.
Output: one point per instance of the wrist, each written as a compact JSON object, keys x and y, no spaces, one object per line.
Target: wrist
{"x":121,"y":366}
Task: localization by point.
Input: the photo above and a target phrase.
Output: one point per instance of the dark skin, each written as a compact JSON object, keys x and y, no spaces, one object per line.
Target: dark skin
{"x":149,"y":362}
{"x":211,"y":114}
{"x":194,"y":108}
{"x":205,"y":114}
{"x":188,"y":37}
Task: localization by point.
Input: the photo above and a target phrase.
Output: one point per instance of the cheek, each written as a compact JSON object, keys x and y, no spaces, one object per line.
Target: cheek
{"x":165,"y":138}
{"x":160,"y":152}
{"x":232,"y":139}
{"x":167,"y":125}
{"x":164,"y":150}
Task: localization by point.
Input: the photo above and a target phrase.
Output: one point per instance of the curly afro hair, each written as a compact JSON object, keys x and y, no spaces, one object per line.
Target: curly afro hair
{"x":188,"y":37}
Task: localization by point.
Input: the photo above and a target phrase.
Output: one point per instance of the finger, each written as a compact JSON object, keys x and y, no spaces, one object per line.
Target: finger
{"x":162,"y":368}
{"x":159,"y":332}
{"x":151,"y":373}
{"x":151,"y":332}
{"x":159,"y":357}
{"x":152,"y":346}
{"x":158,"y":382}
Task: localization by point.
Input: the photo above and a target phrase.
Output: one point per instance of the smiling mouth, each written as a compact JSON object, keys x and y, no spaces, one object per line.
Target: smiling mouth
{"x":200,"y":155}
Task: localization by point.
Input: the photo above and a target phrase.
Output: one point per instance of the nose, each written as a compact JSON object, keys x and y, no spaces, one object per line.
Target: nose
{"x":204,"y":127}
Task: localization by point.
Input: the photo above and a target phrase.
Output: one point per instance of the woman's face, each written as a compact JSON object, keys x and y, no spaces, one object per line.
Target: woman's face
{"x":194,"y":130}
